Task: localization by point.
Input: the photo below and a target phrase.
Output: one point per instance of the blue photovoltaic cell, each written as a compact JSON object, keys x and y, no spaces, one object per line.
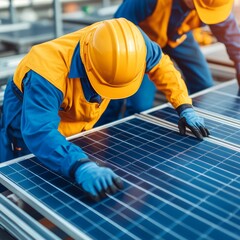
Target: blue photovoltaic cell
{"x":216,"y":128}
{"x":232,"y":89}
{"x":175,"y":187}
{"x":216,"y":102}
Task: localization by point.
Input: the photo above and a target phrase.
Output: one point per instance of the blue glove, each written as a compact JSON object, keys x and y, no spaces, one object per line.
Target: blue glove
{"x":189,"y":118}
{"x":97,"y":181}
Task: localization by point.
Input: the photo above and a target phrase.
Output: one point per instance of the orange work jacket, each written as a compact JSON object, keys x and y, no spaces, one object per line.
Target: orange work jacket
{"x":52,"y":60}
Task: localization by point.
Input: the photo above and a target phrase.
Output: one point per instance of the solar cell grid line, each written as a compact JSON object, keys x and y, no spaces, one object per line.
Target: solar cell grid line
{"x":215,"y":102}
{"x":196,"y":165}
{"x":160,"y":197}
{"x":230,"y":90}
{"x":219,"y":128}
{"x":81,"y":144}
{"x":182,"y":222}
{"x":229,"y":87}
{"x":82,"y":212}
{"x":222,"y":101}
{"x":32,"y":184}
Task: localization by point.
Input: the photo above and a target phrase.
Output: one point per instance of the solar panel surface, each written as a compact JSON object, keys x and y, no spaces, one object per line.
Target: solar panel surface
{"x":231,"y":89}
{"x":219,"y":103}
{"x":228,"y":132}
{"x":223,"y":99}
{"x":175,"y":187}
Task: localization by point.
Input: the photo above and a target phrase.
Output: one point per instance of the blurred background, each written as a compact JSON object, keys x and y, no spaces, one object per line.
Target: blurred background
{"x":24,"y":23}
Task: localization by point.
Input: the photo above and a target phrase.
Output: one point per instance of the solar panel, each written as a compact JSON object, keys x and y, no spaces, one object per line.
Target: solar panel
{"x":219,"y":129}
{"x":231,"y":89}
{"x":219,"y":103}
{"x":176,"y":187}
{"x":223,"y":100}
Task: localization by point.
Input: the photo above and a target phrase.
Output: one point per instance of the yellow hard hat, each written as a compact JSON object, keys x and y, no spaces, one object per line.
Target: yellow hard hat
{"x":213,"y":11}
{"x":114,"y":56}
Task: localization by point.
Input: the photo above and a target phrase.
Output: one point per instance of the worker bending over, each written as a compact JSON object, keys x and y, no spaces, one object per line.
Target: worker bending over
{"x":63,"y":86}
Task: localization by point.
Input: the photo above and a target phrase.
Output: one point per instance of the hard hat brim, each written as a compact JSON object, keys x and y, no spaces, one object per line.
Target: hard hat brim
{"x":116,"y":92}
{"x":213,"y":15}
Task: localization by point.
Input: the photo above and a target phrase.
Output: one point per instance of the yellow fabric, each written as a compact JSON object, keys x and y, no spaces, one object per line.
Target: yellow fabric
{"x":213,"y":11}
{"x":169,"y":81}
{"x":202,"y":37}
{"x":156,"y":25}
{"x":52,"y":61}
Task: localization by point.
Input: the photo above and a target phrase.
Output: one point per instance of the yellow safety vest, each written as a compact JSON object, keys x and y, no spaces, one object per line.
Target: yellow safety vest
{"x":52,"y":60}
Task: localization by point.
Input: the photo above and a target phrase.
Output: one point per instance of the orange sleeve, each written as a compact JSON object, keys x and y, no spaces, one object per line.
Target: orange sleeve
{"x":169,"y":81}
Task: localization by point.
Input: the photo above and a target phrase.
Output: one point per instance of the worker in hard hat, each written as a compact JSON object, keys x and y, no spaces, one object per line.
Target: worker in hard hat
{"x":170,"y":24}
{"x":62,"y":87}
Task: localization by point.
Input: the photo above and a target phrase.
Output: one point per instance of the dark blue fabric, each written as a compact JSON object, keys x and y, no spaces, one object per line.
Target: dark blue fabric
{"x":179,"y":12}
{"x":154,"y":53}
{"x":135,"y":10}
{"x":12,"y":144}
{"x":228,"y":33}
{"x":192,"y":64}
{"x":77,"y":70}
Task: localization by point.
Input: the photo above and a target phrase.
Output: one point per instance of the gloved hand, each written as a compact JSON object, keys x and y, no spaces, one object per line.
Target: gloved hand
{"x":189,"y":118}
{"x":96,"y":181}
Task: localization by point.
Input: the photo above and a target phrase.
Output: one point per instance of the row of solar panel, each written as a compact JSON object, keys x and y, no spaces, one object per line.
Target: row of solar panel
{"x":176,"y":187}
